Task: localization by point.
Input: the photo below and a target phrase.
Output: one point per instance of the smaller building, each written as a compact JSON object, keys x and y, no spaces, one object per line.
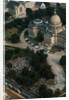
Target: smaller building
{"x":6,"y":1}
{"x":16,"y":9}
{"x":40,"y":5}
{"x":29,"y":4}
{"x":61,"y":39}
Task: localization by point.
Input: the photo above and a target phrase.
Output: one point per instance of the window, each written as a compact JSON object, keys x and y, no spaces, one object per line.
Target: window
{"x":20,"y":9}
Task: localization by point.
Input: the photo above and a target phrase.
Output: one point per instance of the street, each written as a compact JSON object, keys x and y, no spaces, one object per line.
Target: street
{"x":13,"y":94}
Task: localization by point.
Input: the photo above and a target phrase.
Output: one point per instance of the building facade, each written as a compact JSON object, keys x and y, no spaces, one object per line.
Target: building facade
{"x":16,"y":9}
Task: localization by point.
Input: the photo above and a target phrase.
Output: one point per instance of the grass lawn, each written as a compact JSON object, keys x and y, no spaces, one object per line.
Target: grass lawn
{"x":9,"y":48}
{"x":33,"y":41}
{"x":55,"y":49}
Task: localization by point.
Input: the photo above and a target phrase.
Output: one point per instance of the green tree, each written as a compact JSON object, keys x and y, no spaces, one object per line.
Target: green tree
{"x":45,"y":71}
{"x":47,"y":4}
{"x":57,"y":93}
{"x":11,"y":74}
{"x":50,"y":11}
{"x":7,"y":15}
{"x":28,"y":77}
{"x":63,"y":60}
{"x":39,"y":62}
{"x":29,"y":11}
{"x":44,"y":92}
{"x":15,"y":38}
{"x":62,"y":13}
{"x":9,"y":65}
{"x":8,"y":54}
{"x":58,"y":4}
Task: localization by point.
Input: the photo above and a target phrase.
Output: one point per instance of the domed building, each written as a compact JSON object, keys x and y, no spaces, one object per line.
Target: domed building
{"x":55,"y":23}
{"x":56,"y":35}
{"x":53,"y":32}
{"x":35,"y":26}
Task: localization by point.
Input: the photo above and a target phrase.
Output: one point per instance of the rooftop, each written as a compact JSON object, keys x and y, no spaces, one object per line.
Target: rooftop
{"x":63,"y":33}
{"x":12,"y":4}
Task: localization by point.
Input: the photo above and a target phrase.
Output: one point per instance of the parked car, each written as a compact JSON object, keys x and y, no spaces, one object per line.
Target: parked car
{"x":37,"y":47}
{"x":32,"y":44}
{"x":46,"y":51}
{"x":6,"y":83}
{"x":18,"y":90}
{"x":26,"y":39}
{"x":29,"y":42}
{"x":9,"y":85}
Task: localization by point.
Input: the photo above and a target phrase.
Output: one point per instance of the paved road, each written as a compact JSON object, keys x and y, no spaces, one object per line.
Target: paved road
{"x":13,"y":93}
{"x":24,"y":42}
{"x":53,"y":59}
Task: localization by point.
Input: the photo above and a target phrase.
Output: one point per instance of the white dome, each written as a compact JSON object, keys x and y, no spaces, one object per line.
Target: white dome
{"x":37,"y":21}
{"x":55,"y":19}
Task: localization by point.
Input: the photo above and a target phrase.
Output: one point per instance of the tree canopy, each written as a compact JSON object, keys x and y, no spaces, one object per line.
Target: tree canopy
{"x":44,"y":92}
{"x":15,"y":38}
{"x":28,"y":77}
{"x":63,"y":60}
{"x":47,"y":4}
{"x":9,"y":65}
{"x":39,"y":62}
{"x":29,"y":11}
{"x":57,"y":93}
{"x":12,"y":74}
{"x":7,"y":15}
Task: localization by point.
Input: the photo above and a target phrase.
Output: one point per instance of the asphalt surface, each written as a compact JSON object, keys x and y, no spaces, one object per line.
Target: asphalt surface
{"x":13,"y":94}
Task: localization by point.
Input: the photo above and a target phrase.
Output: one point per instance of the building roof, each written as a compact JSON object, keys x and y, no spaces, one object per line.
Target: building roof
{"x":44,"y":25}
{"x":55,"y":19}
{"x":12,"y":4}
{"x":38,"y":4}
{"x":63,"y":33}
{"x":29,"y":4}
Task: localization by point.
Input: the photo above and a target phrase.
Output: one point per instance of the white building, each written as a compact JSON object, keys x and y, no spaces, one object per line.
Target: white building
{"x":40,"y":5}
{"x":56,"y":31}
{"x":35,"y":26}
{"x":16,"y":9}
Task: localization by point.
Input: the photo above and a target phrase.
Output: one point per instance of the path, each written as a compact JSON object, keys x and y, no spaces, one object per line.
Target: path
{"x":53,"y":59}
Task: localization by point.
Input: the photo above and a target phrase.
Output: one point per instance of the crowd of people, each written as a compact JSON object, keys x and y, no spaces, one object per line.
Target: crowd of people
{"x":19,"y":63}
